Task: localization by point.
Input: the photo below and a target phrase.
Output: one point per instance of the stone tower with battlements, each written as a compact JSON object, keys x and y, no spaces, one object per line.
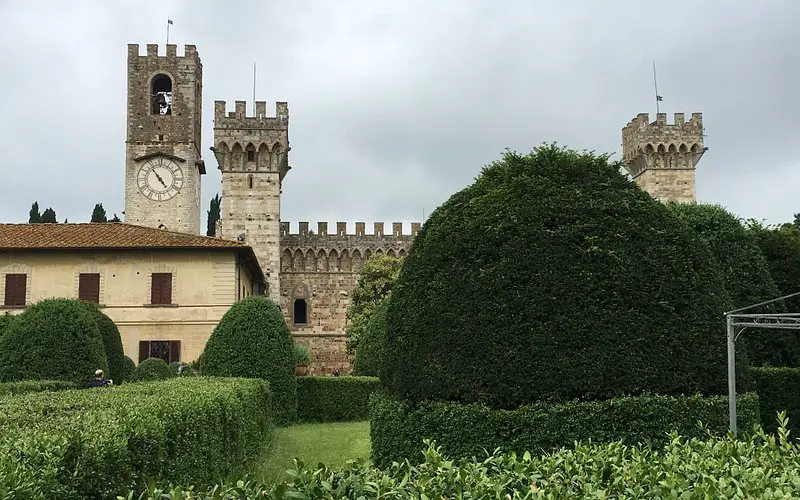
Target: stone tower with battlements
{"x":163,"y":161}
{"x":662,"y":157}
{"x":252,"y":153}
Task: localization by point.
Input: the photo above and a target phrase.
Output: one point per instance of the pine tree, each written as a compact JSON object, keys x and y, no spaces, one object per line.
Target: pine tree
{"x":99,"y":213}
{"x":49,"y":216}
{"x":213,"y":215}
{"x":35,"y":216}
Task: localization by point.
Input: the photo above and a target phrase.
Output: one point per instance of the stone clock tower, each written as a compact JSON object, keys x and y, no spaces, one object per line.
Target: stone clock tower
{"x":162,"y":153}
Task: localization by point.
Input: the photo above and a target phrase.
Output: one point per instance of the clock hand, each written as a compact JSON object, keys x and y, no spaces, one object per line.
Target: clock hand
{"x":159,"y":178}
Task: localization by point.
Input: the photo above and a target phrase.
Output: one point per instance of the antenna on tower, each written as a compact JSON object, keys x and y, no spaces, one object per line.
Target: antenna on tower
{"x":254,"y":88}
{"x":655,"y":84}
{"x":169,"y":23}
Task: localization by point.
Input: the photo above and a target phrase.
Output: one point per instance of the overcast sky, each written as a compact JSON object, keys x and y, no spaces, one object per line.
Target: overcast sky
{"x":395,"y":105}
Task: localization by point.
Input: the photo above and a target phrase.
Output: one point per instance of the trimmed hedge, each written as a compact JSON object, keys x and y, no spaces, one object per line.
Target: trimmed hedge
{"x":252,"y":340}
{"x":334,"y":399}
{"x":99,"y":443}
{"x":465,"y":430}
{"x":25,"y":386}
{"x":112,"y":343}
{"x":778,"y":390}
{"x":5,"y":321}
{"x":128,"y":369}
{"x":551,"y":278}
{"x":54,"y":339}
{"x":152,"y":369}
{"x":371,"y":348}
{"x":781,"y":248}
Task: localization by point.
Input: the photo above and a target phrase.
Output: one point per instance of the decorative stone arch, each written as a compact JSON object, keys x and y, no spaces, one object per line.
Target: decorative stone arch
{"x":275,"y":156}
{"x":311,"y":261}
{"x":662,"y":148}
{"x":161,"y":92}
{"x":300,"y":306}
{"x":16,"y":269}
{"x":322,"y":261}
{"x":91,"y":269}
{"x":683,"y":148}
{"x":695,"y":148}
{"x":402,"y":253}
{"x":237,"y":156}
{"x":263,"y":157}
{"x":673,"y":149}
{"x":299,"y":261}
{"x":333,"y":260}
{"x":649,"y":149}
{"x":250,"y":156}
{"x":345,"y":262}
{"x":286,"y":260}
{"x":390,"y":253}
{"x":357,"y":260}
{"x":379,"y":251}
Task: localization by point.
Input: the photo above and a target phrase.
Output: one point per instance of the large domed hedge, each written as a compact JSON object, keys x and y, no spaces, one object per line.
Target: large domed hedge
{"x":554,"y":277}
{"x":112,"y":343}
{"x":747,"y":279}
{"x":372,"y":344}
{"x":54,"y":339}
{"x":253,"y":341}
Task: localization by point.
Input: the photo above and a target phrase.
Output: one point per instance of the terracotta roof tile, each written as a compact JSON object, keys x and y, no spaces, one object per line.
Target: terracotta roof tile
{"x":102,"y":235}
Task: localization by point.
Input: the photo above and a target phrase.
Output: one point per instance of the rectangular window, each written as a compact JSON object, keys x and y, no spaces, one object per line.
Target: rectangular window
{"x":161,"y":288}
{"x":168,"y":350}
{"x":89,"y":287}
{"x":15,"y":289}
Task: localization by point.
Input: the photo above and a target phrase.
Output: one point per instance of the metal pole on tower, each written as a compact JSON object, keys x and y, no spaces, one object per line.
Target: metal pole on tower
{"x":254,"y":88}
{"x":655,"y":84}
{"x":169,"y":22}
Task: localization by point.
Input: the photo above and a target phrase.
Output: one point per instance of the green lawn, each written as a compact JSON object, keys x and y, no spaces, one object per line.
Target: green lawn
{"x":332,"y":444}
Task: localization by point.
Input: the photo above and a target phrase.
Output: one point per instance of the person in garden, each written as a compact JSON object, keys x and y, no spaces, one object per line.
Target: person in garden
{"x":99,"y":380}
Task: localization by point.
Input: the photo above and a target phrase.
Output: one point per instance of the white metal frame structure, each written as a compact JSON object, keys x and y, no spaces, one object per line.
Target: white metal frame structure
{"x":737,"y":323}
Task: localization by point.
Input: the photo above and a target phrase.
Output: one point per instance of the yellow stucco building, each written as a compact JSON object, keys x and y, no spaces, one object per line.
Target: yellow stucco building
{"x":165,"y":290}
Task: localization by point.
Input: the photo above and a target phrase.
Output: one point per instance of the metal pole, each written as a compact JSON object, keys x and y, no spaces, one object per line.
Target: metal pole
{"x":731,"y":376}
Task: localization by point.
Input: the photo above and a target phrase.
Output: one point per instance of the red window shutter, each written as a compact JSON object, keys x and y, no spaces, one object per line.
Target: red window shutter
{"x":89,"y":287}
{"x":144,"y":350}
{"x":174,"y":350}
{"x":161,"y":288}
{"x":166,"y":289}
{"x":15,"y":289}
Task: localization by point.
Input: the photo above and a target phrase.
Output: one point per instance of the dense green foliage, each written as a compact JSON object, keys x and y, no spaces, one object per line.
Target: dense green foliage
{"x":152,"y":369}
{"x":213,"y":215}
{"x":252,"y":340}
{"x":334,"y":399}
{"x":5,"y":321}
{"x":781,"y":248}
{"x":371,"y":348}
{"x":747,"y":279}
{"x":378,"y":275}
{"x":54,"y":339}
{"x":99,"y":213}
{"x":778,"y":390}
{"x":128,"y":369}
{"x":301,"y":354}
{"x":554,"y":277}
{"x":96,"y":444}
{"x":34,"y":216}
{"x":465,"y":429}
{"x":49,"y":216}
{"x":112,"y":343}
{"x":701,"y":467}
{"x":25,"y":386}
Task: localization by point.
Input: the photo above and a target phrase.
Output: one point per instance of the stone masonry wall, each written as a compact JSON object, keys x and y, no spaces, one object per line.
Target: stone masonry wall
{"x":176,"y":134}
{"x":323,"y":269}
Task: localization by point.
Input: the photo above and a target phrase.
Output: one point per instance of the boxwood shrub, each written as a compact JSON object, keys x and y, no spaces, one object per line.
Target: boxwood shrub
{"x":99,"y":443}
{"x":54,"y":339}
{"x":551,"y":278}
{"x":334,"y":399}
{"x":112,"y":343}
{"x":464,"y":430}
{"x":152,"y":369}
{"x":778,"y":390}
{"x":371,"y":347}
{"x":25,"y":386}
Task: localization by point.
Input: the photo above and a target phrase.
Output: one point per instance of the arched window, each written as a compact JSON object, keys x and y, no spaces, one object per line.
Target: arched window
{"x":161,"y":95}
{"x":300,"y":311}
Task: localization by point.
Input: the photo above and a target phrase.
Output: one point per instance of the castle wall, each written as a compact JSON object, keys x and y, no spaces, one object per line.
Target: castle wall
{"x":322,"y":269}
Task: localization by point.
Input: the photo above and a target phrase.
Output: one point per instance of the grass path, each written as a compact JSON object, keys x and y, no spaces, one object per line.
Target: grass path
{"x":332,"y":444}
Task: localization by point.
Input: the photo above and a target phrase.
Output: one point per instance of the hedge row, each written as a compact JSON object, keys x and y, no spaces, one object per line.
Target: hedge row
{"x":778,"y":390}
{"x":466,"y":430}
{"x":96,"y":443}
{"x":25,"y":386}
{"x":334,"y":399}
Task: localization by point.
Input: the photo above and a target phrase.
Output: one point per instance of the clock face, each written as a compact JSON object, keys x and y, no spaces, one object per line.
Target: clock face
{"x":160,"y":179}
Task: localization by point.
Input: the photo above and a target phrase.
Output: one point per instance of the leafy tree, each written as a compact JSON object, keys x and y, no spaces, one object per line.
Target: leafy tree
{"x":99,"y":213}
{"x":115,"y":219}
{"x":552,"y":278}
{"x":253,"y":341}
{"x":34,"y":216}
{"x":213,"y":215}
{"x":49,"y":216}
{"x":54,"y":339}
{"x":747,"y":278}
{"x":378,"y":275}
{"x":371,"y":348}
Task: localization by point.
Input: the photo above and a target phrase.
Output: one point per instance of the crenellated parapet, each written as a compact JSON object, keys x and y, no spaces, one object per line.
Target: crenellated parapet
{"x":310,"y":251}
{"x":251,"y":143}
{"x":656,"y":153}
